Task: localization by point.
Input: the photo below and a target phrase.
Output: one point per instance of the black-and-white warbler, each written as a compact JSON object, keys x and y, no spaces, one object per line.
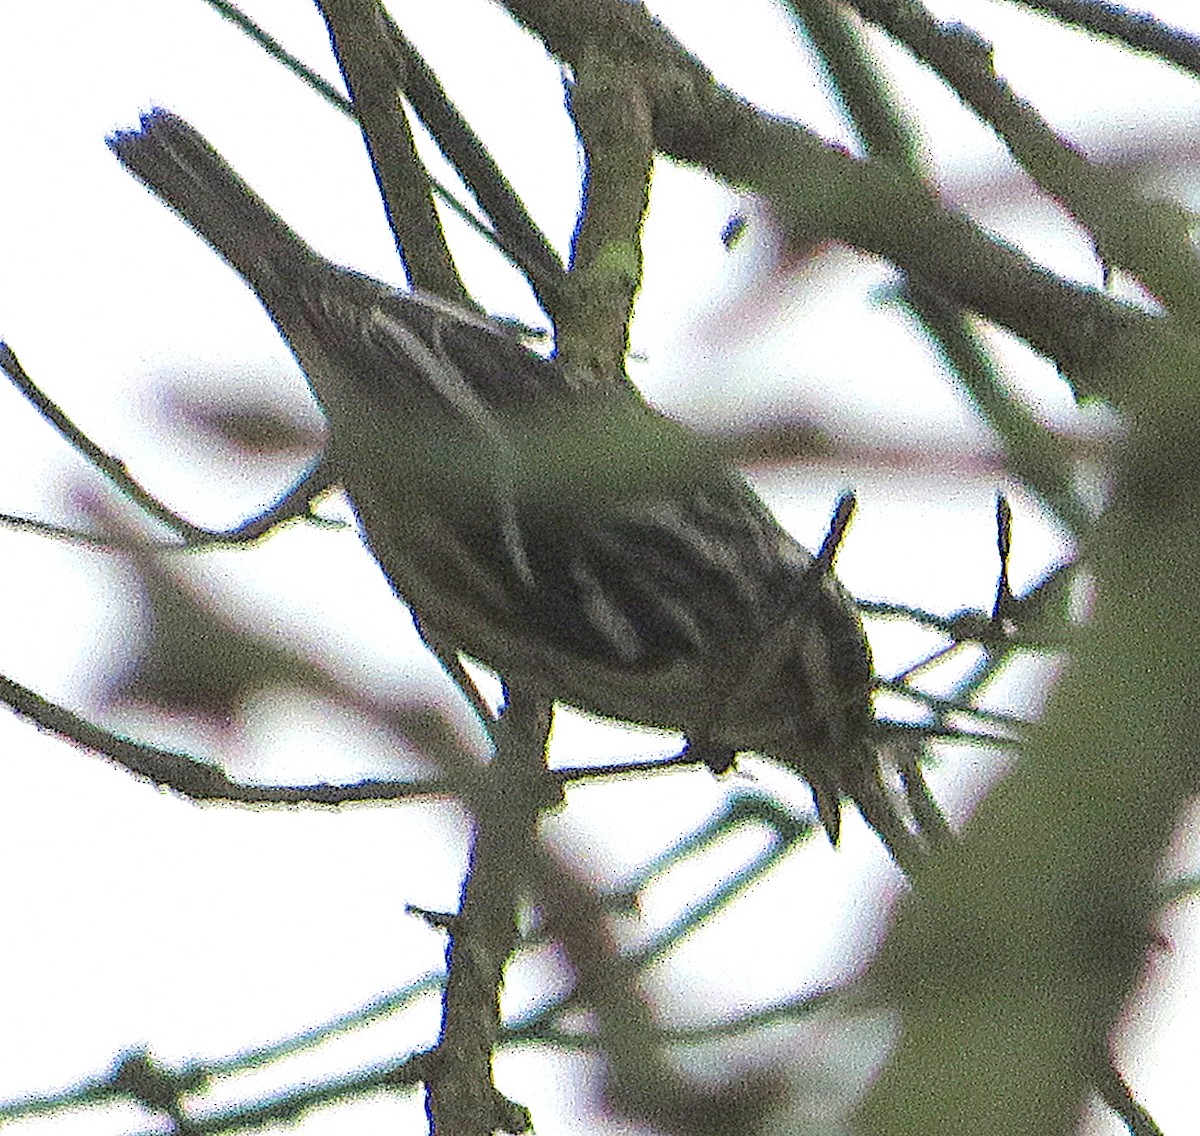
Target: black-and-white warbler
{"x":577,"y":542}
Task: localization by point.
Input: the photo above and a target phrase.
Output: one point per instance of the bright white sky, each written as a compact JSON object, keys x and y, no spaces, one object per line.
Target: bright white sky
{"x":136,"y":918}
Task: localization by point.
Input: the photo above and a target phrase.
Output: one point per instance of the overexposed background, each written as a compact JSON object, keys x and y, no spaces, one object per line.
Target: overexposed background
{"x":136,"y":918}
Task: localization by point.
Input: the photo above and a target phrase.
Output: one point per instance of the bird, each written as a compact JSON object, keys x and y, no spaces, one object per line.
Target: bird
{"x":569,"y":536}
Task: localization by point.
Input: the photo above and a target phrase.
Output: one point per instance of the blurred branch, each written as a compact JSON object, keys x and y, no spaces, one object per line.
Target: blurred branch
{"x":196,"y":779}
{"x":1032,"y":453}
{"x":642,"y":1083}
{"x":993,"y":971}
{"x":859,"y":84}
{"x":294,"y":502}
{"x":817,"y":188}
{"x":373,"y":74}
{"x":778,"y":444}
{"x":943,"y":708}
{"x":793,"y":1010}
{"x":1016,"y":954}
{"x":1150,"y":238}
{"x":1139,"y":30}
{"x":787,"y":829}
{"x":885,"y":135}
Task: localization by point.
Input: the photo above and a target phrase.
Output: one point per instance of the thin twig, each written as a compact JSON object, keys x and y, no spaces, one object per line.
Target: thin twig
{"x":335,"y":98}
{"x":197,"y":779}
{"x":515,"y":230}
{"x":112,"y":468}
{"x":277,"y":51}
{"x":1151,"y":239}
{"x":1114,"y":1090}
{"x":819,"y":189}
{"x":373,"y":74}
{"x":1139,"y":30}
{"x":294,"y":502}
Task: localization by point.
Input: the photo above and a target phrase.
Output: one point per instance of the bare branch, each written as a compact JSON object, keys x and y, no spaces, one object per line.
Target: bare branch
{"x":817,"y":188}
{"x":374,"y":76}
{"x":515,"y":230}
{"x":196,"y":779}
{"x":462,"y":1099}
{"x":1151,"y":239}
{"x":1140,"y":30}
{"x":295,"y":502}
{"x":612,"y":116}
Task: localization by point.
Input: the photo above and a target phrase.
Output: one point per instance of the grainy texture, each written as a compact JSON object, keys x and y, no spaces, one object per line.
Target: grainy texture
{"x":585,"y":547}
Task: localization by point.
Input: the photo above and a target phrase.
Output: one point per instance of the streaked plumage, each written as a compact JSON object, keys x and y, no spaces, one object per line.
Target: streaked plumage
{"x":575,"y":541}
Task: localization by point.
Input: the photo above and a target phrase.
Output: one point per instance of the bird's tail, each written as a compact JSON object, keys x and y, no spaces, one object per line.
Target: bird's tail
{"x":176,"y":162}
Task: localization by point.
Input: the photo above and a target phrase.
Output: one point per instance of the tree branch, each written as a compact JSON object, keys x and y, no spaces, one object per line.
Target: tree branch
{"x":1151,"y":239}
{"x":612,"y":116}
{"x":1139,"y":30}
{"x":817,"y":188}
{"x":1017,"y":952}
{"x":196,"y":779}
{"x":374,"y":76}
{"x":294,"y":502}
{"x":423,"y":91}
{"x":515,"y":230}
{"x":461,"y":1098}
